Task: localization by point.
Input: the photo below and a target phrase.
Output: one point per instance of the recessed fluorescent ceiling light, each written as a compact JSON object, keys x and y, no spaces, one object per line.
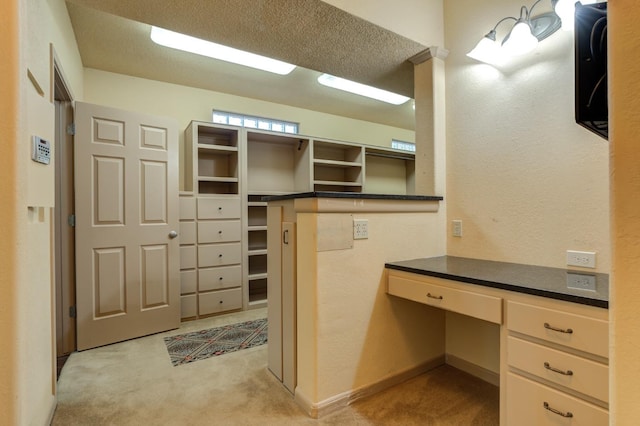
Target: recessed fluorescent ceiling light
{"x":217,"y":51}
{"x":361,"y":89}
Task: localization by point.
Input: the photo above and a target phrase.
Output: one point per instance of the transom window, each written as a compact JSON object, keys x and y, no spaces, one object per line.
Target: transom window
{"x":224,"y":117}
{"x":403,"y":146}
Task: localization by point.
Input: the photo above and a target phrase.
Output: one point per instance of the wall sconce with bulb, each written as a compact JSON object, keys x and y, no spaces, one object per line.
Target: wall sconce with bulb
{"x":525,"y":33}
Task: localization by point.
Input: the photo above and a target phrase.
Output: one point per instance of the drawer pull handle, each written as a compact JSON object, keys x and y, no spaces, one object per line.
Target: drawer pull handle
{"x":556,"y":370}
{"x":219,"y":255}
{"x":568,"y":414}
{"x":434,"y":297}
{"x":560,"y":330}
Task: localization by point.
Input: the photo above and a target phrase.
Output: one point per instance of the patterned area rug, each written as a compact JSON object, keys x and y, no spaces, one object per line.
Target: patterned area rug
{"x":189,"y":347}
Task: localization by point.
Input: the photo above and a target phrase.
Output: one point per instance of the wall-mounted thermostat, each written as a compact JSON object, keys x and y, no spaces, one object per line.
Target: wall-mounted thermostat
{"x":40,"y":150}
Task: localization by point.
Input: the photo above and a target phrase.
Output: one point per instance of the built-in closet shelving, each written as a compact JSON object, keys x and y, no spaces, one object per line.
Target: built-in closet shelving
{"x":337,"y":166}
{"x":227,"y":172}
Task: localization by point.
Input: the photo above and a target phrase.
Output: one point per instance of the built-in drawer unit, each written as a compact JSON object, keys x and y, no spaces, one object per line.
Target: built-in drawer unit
{"x":564,"y":369}
{"x":187,"y":233}
{"x":218,"y":208}
{"x":574,"y":331}
{"x":219,"y":301}
{"x":188,"y":306}
{"x":219,"y":231}
{"x":558,"y":371}
{"x":188,"y":257}
{"x":220,"y":277}
{"x":188,"y":281}
{"x":485,"y":307}
{"x":219,"y":254}
{"x":530,"y":403}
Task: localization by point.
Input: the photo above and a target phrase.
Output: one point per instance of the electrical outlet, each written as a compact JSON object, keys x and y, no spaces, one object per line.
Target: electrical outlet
{"x":581,"y":281}
{"x":360,"y":229}
{"x":457,"y":228}
{"x":585,"y":259}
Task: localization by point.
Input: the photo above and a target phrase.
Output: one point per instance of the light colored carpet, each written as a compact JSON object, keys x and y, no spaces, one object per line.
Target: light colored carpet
{"x":134,"y":383}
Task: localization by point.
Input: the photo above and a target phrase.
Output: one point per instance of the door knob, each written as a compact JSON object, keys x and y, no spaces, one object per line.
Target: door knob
{"x":173,"y":234}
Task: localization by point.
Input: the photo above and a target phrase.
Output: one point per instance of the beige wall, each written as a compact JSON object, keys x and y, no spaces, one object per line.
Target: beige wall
{"x":351,"y":333}
{"x":624,"y":107}
{"x":28,"y":393}
{"x":527,"y":182}
{"x":186,"y":103}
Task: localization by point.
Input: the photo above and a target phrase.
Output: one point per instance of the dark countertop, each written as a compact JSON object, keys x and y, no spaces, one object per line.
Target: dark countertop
{"x":529,"y":279}
{"x":354,"y":195}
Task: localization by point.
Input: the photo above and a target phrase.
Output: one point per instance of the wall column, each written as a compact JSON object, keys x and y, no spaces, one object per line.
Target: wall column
{"x":9,"y":111}
{"x":624,"y":126}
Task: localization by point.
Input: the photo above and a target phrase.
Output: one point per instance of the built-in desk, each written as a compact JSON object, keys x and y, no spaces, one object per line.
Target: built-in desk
{"x":553,"y":331}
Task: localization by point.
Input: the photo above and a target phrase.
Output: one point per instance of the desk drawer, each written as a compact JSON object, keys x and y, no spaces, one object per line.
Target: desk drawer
{"x":587,"y":377}
{"x":526,"y":401}
{"x":476,"y":305}
{"x":575,"y":331}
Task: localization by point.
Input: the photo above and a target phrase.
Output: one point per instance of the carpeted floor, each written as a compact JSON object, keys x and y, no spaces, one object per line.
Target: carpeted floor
{"x":133,"y":383}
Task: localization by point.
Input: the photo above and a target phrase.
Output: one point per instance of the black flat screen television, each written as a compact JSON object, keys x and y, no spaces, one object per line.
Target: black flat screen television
{"x":592,"y":110}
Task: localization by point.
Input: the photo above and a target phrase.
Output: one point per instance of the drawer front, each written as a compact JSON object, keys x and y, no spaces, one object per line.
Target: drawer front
{"x":187,"y":233}
{"x":218,"y":208}
{"x":219,"y":301}
{"x":188,"y":306}
{"x":477,"y":305}
{"x":188,"y":281}
{"x":587,"y":377}
{"x":526,"y":406}
{"x":187,"y":257}
{"x":219,"y":278}
{"x":187,"y":208}
{"x":219,"y":254}
{"x":219,"y":231}
{"x":575,"y":331}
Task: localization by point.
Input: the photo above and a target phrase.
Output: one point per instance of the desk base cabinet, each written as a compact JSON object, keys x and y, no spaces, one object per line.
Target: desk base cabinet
{"x":553,"y":354}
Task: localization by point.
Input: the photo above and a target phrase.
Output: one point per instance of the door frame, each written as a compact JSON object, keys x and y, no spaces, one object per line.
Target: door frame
{"x":64,"y":240}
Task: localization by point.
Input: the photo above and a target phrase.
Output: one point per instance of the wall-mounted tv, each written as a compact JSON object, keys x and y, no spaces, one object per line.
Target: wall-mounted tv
{"x":592,"y":109}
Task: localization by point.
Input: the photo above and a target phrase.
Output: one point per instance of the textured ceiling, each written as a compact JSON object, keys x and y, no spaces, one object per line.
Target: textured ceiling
{"x":113,"y":35}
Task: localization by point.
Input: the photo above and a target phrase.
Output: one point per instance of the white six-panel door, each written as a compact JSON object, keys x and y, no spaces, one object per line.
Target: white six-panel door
{"x":127,"y":259}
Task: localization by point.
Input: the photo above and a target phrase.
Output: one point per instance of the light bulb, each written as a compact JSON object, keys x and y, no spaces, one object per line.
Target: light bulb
{"x":520,"y":40}
{"x":487,"y":50}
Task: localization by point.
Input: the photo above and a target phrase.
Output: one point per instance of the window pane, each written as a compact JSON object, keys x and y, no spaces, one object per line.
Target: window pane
{"x":220,"y":118}
{"x":264,"y":125}
{"x":250,"y":122}
{"x":290,"y":128}
{"x":235,"y":120}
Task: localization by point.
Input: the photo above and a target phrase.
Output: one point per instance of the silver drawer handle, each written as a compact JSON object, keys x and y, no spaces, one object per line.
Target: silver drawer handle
{"x":556,"y":370}
{"x":434,"y":297}
{"x":560,"y":330}
{"x":568,"y":414}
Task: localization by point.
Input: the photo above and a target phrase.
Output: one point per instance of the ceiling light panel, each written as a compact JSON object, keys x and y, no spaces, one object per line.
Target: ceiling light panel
{"x":361,"y":89}
{"x":217,"y":51}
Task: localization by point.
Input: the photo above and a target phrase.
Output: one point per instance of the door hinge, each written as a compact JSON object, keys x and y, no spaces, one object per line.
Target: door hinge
{"x":71,"y":220}
{"x":71,"y":129}
{"x":72,"y":311}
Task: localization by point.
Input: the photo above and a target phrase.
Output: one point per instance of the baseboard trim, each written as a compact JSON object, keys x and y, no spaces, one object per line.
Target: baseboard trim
{"x":473,"y":369}
{"x":337,"y":402}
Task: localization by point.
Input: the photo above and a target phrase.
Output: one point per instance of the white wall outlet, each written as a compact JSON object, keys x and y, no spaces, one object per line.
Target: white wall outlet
{"x":585,"y":259}
{"x":581,"y":281}
{"x":457,"y":228}
{"x":360,"y":229}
